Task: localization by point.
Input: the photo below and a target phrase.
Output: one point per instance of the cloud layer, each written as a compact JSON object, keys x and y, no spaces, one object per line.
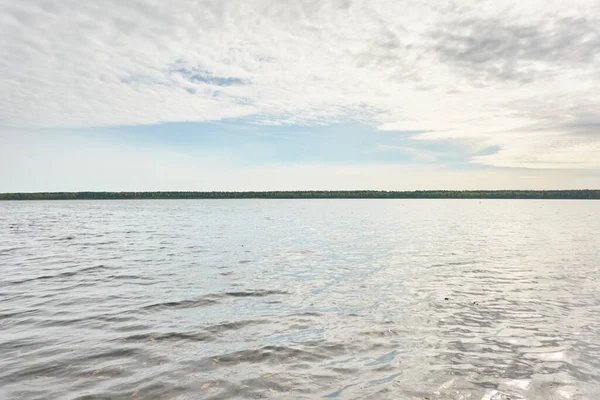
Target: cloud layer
{"x":521,"y":76}
{"x":52,"y":161}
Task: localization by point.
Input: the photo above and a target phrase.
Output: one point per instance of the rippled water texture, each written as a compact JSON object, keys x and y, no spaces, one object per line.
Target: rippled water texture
{"x":300,"y":299}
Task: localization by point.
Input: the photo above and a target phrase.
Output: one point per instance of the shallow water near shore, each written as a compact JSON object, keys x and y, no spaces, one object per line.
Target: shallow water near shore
{"x":300,"y":299}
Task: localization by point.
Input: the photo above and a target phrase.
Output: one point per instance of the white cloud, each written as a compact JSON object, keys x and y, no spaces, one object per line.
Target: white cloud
{"x":491,"y":72}
{"x":544,"y":150}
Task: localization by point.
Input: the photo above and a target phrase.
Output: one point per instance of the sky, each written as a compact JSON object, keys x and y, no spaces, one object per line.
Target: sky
{"x":298,"y":95}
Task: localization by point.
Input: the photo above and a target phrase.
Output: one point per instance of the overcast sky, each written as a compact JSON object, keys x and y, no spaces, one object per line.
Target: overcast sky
{"x":272,"y":95}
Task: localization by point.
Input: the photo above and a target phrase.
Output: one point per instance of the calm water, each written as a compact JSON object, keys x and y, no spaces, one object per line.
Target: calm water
{"x":300,"y":299}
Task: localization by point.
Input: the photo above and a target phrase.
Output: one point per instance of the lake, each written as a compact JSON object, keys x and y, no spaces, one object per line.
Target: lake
{"x":300,"y":299}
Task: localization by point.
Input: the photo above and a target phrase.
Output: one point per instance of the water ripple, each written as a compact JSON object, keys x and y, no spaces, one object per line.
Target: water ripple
{"x":489,"y":300}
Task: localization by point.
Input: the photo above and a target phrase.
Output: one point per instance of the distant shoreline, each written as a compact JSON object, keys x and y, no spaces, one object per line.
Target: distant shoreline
{"x":315,"y":194}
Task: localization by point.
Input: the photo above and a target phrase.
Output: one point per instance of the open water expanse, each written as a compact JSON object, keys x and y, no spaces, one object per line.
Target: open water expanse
{"x":300,"y":299}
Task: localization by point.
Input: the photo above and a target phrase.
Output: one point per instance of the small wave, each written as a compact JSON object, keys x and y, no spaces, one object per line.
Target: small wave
{"x":233,"y":326}
{"x":269,"y":354}
{"x":11,"y":249}
{"x":66,"y":274}
{"x":201,"y":302}
{"x":206,"y":333}
{"x":211,"y":299}
{"x":171,"y":336}
{"x":134,"y":279}
{"x":255,"y":293}
{"x":17,"y":314}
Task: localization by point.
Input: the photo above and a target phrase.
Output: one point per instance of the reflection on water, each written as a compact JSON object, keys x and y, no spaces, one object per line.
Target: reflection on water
{"x":300,"y":299}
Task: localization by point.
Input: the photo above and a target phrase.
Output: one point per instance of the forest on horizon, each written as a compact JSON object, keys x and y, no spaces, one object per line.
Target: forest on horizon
{"x":312,"y":194}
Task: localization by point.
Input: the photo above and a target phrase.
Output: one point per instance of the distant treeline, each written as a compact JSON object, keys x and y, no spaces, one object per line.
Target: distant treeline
{"x":314,"y":194}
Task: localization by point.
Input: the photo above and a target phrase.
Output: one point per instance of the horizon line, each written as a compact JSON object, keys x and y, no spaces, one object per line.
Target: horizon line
{"x":584,"y":194}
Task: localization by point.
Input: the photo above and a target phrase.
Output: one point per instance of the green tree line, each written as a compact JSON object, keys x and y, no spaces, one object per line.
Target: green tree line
{"x":313,"y":194}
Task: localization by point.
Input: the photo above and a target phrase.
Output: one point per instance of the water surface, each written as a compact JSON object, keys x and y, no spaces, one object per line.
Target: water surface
{"x":300,"y":299}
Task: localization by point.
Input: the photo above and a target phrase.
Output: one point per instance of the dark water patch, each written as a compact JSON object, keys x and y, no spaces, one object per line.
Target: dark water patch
{"x":86,"y":320}
{"x":171,"y":337}
{"x":39,"y":370}
{"x":200,"y":302}
{"x":112,"y":354}
{"x":128,"y":326}
{"x":306,"y":314}
{"x":254,"y":293}
{"x":66,"y":274}
{"x":266,"y":386}
{"x":12,"y":249}
{"x":237,"y":325}
{"x":202,"y":334}
{"x":83,"y":284}
{"x":18,"y":314}
{"x":211,"y":299}
{"x":17,"y":344}
{"x":268,"y":354}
